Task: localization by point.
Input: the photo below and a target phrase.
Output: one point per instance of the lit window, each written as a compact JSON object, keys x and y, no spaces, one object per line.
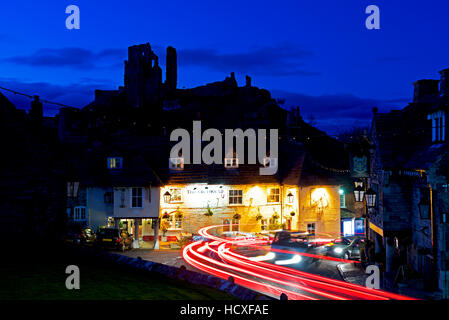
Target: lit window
{"x":235,"y":197}
{"x":342,"y":201}
{"x":115,"y":163}
{"x":175,"y":195}
{"x":231,"y":225}
{"x":311,"y":228}
{"x":264,"y":224}
{"x":175,"y":221}
{"x":79,"y":214}
{"x":72,"y":189}
{"x":231,"y":163}
{"x":176,"y":163}
{"x":438,"y":126}
{"x":273,"y":195}
{"x":136,"y":197}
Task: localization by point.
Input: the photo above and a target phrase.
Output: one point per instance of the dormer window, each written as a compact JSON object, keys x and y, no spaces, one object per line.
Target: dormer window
{"x":230,"y":163}
{"x":438,"y":126}
{"x":115,"y":163}
{"x":270,"y":162}
{"x":176,"y":163}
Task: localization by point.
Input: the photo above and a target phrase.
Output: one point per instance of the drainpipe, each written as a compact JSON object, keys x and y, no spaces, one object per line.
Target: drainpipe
{"x":431,"y":216}
{"x":282,"y":203}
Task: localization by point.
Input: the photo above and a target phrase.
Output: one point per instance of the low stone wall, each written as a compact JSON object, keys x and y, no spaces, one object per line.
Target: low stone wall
{"x":175,"y":273}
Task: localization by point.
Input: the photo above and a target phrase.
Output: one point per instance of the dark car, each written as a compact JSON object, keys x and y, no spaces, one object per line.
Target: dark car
{"x":346,"y":247}
{"x":294,"y":241}
{"x":79,"y":235}
{"x":114,"y":239}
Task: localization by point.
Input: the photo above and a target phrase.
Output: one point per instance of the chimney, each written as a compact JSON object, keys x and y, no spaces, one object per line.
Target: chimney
{"x":36,"y":112}
{"x":444,"y":82}
{"x":426,"y":91}
{"x":171,"y":68}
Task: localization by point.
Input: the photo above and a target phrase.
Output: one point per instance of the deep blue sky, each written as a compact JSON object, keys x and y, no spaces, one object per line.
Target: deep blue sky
{"x":316,"y":54}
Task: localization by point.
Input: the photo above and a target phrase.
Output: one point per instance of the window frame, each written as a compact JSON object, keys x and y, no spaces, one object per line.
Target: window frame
{"x":78,"y":217}
{"x":176,"y":163}
{"x":235,"y":197}
{"x":231,"y":163}
{"x":264,"y":224}
{"x":278,"y":195}
{"x":136,"y":197}
{"x":173,"y":220}
{"x":112,"y":163}
{"x":230,"y":226}
{"x":311,"y":224}
{"x":343,"y":200}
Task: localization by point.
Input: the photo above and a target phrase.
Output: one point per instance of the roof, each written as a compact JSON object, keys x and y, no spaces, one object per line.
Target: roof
{"x":145,"y":161}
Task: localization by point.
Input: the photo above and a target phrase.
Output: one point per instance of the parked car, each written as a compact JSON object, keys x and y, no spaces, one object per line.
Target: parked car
{"x":346,"y":247}
{"x":113,"y":238}
{"x":80,"y":235}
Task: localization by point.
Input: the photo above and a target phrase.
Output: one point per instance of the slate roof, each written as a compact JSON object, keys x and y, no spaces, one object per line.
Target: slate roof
{"x":145,"y":161}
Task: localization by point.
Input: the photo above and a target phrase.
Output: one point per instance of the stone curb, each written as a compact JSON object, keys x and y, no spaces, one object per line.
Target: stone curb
{"x":176,"y":273}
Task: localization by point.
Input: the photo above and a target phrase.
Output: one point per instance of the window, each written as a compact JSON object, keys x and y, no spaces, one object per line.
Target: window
{"x":231,"y":163}
{"x":235,"y":197}
{"x":136,"y":197}
{"x":109,"y":197}
{"x":176,"y":195}
{"x":176,"y":163}
{"x":234,"y":227}
{"x":175,"y":221}
{"x":115,"y":163}
{"x":438,"y":126}
{"x":80,"y":214}
{"x":264,"y":224}
{"x":122,"y":198}
{"x":311,"y":228}
{"x":273,"y":195}
{"x":72,"y":189}
{"x":342,"y":201}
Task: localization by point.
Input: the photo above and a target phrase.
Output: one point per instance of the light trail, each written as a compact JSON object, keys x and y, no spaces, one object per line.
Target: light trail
{"x":252,"y":284}
{"x":272,"y":279}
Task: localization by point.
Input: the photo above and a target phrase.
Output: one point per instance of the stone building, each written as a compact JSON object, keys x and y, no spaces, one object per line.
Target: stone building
{"x":411,"y":183}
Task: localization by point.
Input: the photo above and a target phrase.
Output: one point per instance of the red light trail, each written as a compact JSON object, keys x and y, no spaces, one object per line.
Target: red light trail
{"x":216,"y":258}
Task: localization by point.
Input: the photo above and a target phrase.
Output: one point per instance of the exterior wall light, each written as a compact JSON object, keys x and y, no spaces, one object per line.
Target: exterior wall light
{"x":370,"y":198}
{"x":290,"y":197}
{"x":167,"y":197}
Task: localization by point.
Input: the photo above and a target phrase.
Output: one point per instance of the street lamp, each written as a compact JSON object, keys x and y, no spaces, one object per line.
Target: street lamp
{"x":359,"y":192}
{"x":290,"y":197}
{"x":358,"y":183}
{"x":370,"y":198}
{"x":167,"y":197}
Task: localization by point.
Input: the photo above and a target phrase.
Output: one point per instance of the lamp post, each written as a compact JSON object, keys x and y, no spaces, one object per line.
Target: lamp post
{"x":361,"y":193}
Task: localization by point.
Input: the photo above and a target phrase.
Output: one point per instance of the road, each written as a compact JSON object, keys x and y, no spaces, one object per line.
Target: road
{"x":242,"y":261}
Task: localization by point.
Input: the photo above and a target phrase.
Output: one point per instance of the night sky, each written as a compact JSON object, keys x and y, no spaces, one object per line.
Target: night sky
{"x":316,"y":54}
